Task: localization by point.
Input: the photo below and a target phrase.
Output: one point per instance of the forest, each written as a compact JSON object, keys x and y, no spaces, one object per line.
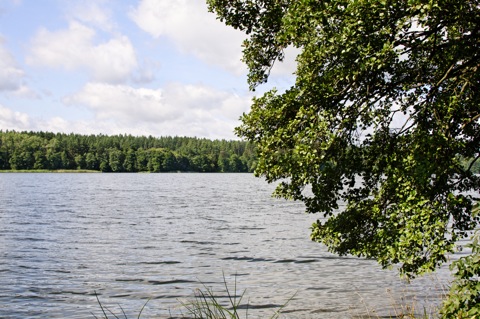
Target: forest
{"x":122,"y":153}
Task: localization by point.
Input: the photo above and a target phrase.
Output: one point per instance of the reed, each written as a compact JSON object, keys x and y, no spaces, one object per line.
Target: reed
{"x":205,"y":304}
{"x":109,"y":314}
{"x":407,"y":305}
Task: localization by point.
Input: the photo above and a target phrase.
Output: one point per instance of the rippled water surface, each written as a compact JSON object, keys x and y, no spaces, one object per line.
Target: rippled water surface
{"x":130,"y":237}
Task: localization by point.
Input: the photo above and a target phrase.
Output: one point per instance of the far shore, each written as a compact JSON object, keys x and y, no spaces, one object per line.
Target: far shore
{"x":49,"y":171}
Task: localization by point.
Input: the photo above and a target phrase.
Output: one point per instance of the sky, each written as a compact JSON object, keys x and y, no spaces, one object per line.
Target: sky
{"x":145,"y":67}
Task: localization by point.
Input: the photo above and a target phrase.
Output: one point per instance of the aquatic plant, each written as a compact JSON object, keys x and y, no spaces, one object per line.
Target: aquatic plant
{"x":206,"y":304}
{"x":106,"y":311}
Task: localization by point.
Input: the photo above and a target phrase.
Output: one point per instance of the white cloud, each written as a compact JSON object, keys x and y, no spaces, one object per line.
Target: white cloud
{"x":95,"y":13}
{"x":12,"y":120}
{"x":146,"y":72}
{"x":112,"y":61}
{"x":193,"y":29}
{"x":122,"y":103}
{"x":11,"y":76}
{"x":27,"y":93}
{"x":191,"y":110}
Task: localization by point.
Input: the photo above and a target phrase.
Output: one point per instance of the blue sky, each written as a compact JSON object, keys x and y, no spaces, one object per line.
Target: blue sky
{"x":145,"y":67}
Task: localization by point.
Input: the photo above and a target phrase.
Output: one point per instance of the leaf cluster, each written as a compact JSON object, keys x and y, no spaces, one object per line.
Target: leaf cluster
{"x":385,"y":105}
{"x":463,"y":300}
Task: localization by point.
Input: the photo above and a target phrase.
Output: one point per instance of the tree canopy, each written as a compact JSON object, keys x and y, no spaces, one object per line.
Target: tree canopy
{"x":384,"y":107}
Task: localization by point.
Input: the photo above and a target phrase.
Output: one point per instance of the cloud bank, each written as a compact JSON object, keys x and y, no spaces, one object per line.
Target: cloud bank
{"x":74,"y":49}
{"x":193,"y":30}
{"x":190,"y":110}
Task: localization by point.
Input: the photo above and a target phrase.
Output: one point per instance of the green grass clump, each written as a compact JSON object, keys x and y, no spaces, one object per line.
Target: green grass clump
{"x":204,"y":305}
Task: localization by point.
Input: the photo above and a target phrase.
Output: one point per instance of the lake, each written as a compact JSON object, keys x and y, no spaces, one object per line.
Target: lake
{"x":131,"y":237}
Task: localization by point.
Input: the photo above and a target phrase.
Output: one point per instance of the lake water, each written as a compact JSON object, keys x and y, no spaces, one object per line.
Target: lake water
{"x":131,"y":237}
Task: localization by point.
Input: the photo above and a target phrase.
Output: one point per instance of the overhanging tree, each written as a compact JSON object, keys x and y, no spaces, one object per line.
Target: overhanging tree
{"x":384,"y":107}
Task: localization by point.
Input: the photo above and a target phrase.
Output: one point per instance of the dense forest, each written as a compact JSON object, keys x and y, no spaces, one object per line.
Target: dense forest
{"x":122,"y":153}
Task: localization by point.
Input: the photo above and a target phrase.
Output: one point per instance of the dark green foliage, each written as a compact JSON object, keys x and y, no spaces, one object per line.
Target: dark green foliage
{"x":385,"y":105}
{"x":122,"y":153}
{"x":463,"y":301}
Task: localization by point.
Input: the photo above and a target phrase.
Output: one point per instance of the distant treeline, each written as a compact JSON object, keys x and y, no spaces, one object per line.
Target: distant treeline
{"x":122,"y":153}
